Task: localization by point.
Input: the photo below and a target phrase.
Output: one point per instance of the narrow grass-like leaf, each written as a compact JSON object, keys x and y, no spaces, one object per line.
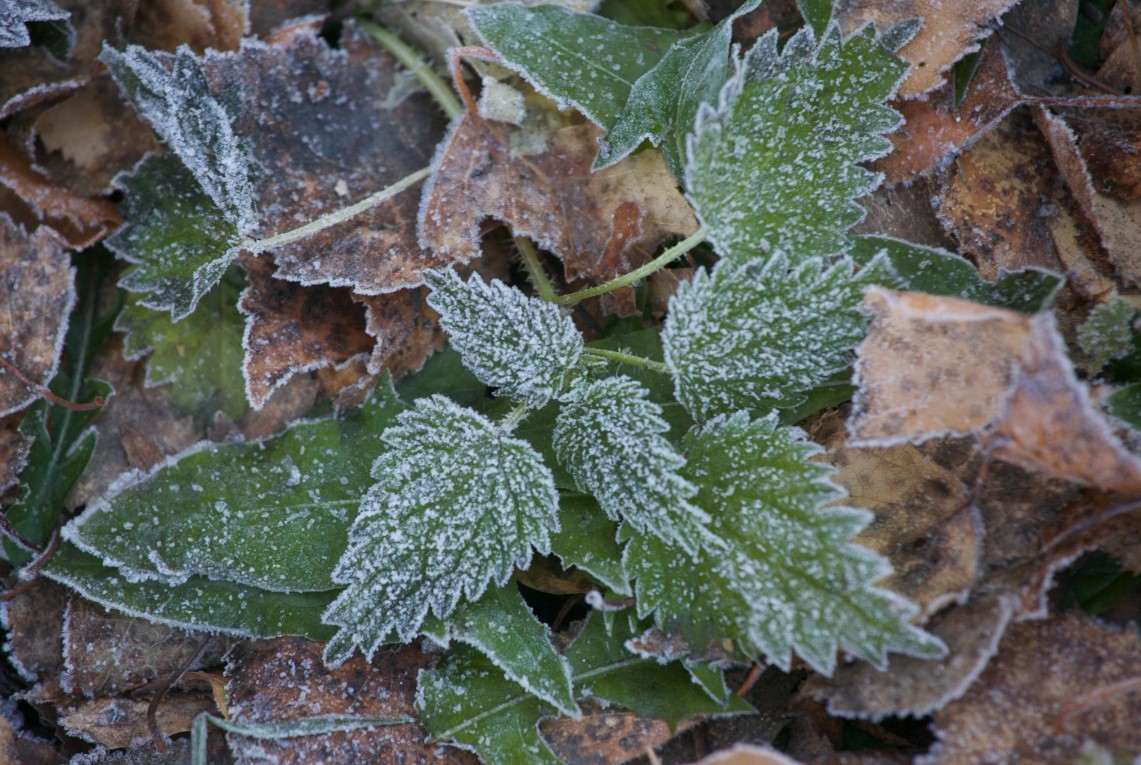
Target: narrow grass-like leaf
{"x":789,"y":578}
{"x":170,"y":92}
{"x":609,"y":436}
{"x":521,"y":345}
{"x":500,"y":625}
{"x":457,"y":506}
{"x":576,"y":59}
{"x":774,"y":162}
{"x":757,"y":335}
{"x":179,"y":241}
{"x":273,"y":514}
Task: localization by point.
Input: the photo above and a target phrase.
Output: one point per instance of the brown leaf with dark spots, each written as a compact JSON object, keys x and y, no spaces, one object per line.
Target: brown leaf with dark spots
{"x":1112,"y":153}
{"x":34,"y":621}
{"x":405,"y":329}
{"x":918,"y":687}
{"x":38,"y":283}
{"x":328,"y":136}
{"x":951,"y":29}
{"x":285,"y":679}
{"x":536,"y":178}
{"x":293,"y":329}
{"x":1030,"y":704}
{"x":936,"y":129}
{"x":603,"y":736}
{"x":107,"y":653}
{"x":933,"y":366}
{"x":117,"y":723}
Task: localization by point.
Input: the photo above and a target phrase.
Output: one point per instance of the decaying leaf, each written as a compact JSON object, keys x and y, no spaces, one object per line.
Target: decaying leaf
{"x":117,"y":723}
{"x":292,"y":329}
{"x":932,"y":366}
{"x":1038,"y":700}
{"x":537,"y":179}
{"x":284,"y":679}
{"x":950,"y":31}
{"x":14,"y":447}
{"x":603,"y":736}
{"x":38,"y":281}
{"x":747,"y":754}
{"x":33,"y":621}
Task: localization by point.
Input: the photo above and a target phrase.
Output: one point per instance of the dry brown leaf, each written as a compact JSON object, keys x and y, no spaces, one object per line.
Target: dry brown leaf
{"x":200,"y":24}
{"x":34,"y":621}
{"x":406,"y":330}
{"x":747,"y":754}
{"x":14,"y":449}
{"x":1111,"y":149}
{"x":106,"y":653}
{"x":536,"y":178}
{"x":603,"y":736}
{"x":330,"y":132}
{"x":38,"y":283}
{"x":1118,"y":221}
{"x":1044,"y":670}
{"x":935,"y":130}
{"x":285,"y":679}
{"x":117,"y":723}
{"x":951,"y":30}
{"x":293,"y":329}
{"x":932,"y":366}
{"x":913,"y":686}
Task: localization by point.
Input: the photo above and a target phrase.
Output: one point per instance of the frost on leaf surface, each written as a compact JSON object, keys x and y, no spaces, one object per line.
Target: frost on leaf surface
{"x":664,"y":102}
{"x":273,"y":514}
{"x":788,"y":579}
{"x":757,"y":335}
{"x":576,"y":59}
{"x":16,"y":14}
{"x":609,"y":436}
{"x":466,"y":699}
{"x":170,"y":92}
{"x":178,"y":241}
{"x":775,"y":164}
{"x":521,"y":345}
{"x":458,"y":505}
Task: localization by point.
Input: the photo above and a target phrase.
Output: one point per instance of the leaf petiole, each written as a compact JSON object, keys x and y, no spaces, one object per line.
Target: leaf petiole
{"x":258,"y":246}
{"x":407,"y":56}
{"x":670,"y":255}
{"x":627,"y":358}
{"x":535,"y":269}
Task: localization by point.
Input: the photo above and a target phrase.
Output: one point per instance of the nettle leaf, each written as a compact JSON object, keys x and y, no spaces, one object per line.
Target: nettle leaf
{"x":789,"y":578}
{"x":458,"y":505}
{"x":665,"y":101}
{"x":202,"y":354}
{"x":589,"y":540}
{"x":1107,"y":333}
{"x":179,"y":241}
{"x":775,"y":164}
{"x":609,"y":436}
{"x":195,"y":604}
{"x":575,"y":59}
{"x":757,"y":335}
{"x":937,"y":272}
{"x":468,"y":700}
{"x":502,"y":627}
{"x":170,"y":92}
{"x":15,"y":15}
{"x":521,"y":345}
{"x":273,"y":514}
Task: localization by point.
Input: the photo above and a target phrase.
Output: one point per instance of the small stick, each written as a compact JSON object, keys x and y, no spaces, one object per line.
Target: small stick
{"x":1093,"y":698}
{"x":152,"y":709}
{"x":750,"y":680}
{"x":455,"y":54}
{"x":43,"y":392}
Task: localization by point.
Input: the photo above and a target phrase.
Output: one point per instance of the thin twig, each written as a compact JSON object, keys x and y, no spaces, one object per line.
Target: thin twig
{"x":9,"y":530}
{"x":152,"y":709}
{"x":1093,"y":698}
{"x":18,"y":590}
{"x":32,"y":570}
{"x":43,"y":392}
{"x":455,"y":54}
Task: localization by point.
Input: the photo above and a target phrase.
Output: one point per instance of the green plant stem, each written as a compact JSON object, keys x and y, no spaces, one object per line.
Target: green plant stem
{"x":423,"y":71}
{"x":535,"y":270}
{"x":627,"y":358}
{"x":513,"y":418}
{"x":673,"y":253}
{"x":256,"y":246}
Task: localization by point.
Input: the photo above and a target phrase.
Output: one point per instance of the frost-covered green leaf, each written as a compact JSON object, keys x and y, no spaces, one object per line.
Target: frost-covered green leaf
{"x":15,"y":15}
{"x":197,"y":603}
{"x":273,"y":514}
{"x":816,"y":13}
{"x":1125,"y":404}
{"x":589,"y":540}
{"x":467,"y":700}
{"x":756,"y":335}
{"x":774,"y":161}
{"x":170,"y":92}
{"x":789,"y":578}
{"x":521,"y":345}
{"x":179,"y":241}
{"x":938,"y":272}
{"x":1107,"y":333}
{"x":609,"y":436}
{"x":576,"y":59}
{"x":664,"y":102}
{"x":458,"y":505}
{"x":501,"y":626}
{"x":201,"y":355}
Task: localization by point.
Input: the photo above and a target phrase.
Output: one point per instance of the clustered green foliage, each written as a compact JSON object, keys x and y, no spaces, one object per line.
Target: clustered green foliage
{"x":676,"y":477}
